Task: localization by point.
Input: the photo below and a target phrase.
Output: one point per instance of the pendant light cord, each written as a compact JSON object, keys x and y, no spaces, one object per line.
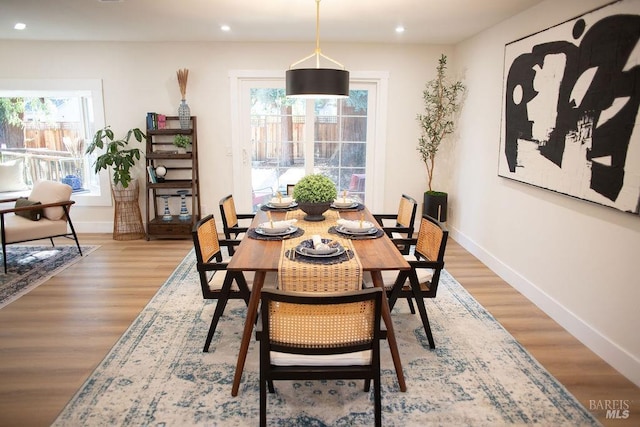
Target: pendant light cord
{"x":317,"y":53}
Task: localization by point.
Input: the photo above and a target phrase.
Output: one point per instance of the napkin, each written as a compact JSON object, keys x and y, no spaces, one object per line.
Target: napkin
{"x":279,"y":224}
{"x":354,"y":224}
{"x":317,"y":242}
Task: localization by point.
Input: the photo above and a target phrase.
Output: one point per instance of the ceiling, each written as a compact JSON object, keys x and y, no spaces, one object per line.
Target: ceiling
{"x":425,"y":21}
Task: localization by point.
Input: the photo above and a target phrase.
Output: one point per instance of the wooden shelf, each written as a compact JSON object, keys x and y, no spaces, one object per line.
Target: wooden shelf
{"x":182,"y":174}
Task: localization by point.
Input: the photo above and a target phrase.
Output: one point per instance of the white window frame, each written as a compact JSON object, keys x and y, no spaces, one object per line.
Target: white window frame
{"x":61,"y":88}
{"x":375,"y":158}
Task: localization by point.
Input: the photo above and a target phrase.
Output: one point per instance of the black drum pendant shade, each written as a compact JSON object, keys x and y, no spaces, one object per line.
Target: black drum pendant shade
{"x":317,"y":83}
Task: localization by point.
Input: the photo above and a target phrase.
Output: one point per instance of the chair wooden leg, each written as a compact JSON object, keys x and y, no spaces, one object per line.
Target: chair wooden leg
{"x":377,"y":402}
{"x":411,"y":307}
{"x":423,"y":314}
{"x":263,"y":403}
{"x":217,"y":314}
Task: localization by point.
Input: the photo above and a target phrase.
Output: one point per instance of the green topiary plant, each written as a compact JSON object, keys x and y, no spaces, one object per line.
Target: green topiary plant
{"x":116,"y":155}
{"x":315,"y":188}
{"x":181,"y":141}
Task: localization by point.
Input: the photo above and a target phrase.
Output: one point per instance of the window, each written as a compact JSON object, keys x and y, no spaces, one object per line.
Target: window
{"x":279,"y":140}
{"x":47,"y":125}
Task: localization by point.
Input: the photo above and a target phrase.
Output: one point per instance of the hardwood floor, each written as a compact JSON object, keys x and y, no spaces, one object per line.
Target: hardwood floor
{"x":52,"y":338}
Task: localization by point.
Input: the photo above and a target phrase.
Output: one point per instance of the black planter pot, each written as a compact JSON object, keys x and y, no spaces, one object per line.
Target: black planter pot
{"x":314,"y":211}
{"x":435,"y":205}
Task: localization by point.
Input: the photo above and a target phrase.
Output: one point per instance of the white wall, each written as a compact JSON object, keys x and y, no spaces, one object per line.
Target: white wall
{"x":141,"y":77}
{"x":574,"y":259}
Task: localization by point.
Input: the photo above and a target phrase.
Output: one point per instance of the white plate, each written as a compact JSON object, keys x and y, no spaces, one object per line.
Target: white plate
{"x":305,"y":249}
{"x":356,"y":231}
{"x":338,"y":203}
{"x":276,"y":231}
{"x":281,"y":205}
{"x":344,"y":206}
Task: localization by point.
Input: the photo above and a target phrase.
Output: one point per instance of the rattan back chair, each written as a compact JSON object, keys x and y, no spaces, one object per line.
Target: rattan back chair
{"x":216,"y":282}
{"x":320,"y":336}
{"x":427,"y":263}
{"x":231,"y":220}
{"x":404,"y":221}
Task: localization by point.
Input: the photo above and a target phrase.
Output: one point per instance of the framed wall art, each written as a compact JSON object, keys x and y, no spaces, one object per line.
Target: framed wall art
{"x":570,"y":119}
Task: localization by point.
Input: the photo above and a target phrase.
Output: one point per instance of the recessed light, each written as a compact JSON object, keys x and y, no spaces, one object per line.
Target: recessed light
{"x":225,"y":28}
{"x":20,"y":26}
{"x":399,"y":29}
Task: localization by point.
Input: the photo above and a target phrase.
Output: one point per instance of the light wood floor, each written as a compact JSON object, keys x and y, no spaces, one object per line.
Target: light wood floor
{"x":52,"y":338}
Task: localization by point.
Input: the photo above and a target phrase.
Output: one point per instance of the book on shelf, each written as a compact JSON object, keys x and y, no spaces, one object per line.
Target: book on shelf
{"x":152,"y":175}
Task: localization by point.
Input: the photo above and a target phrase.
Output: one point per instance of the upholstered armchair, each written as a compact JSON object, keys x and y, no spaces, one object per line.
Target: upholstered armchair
{"x":42,"y":215}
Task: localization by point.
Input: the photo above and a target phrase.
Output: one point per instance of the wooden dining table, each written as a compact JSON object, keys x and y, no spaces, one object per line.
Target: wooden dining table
{"x":262,"y":256}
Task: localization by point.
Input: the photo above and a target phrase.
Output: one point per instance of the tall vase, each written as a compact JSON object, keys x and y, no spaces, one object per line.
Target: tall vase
{"x":184,"y":114}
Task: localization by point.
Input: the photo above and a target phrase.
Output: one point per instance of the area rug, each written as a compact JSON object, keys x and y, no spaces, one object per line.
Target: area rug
{"x":30,"y":266}
{"x":157,"y":374}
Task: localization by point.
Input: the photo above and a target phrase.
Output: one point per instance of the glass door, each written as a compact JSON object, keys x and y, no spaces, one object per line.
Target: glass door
{"x":282,"y":139}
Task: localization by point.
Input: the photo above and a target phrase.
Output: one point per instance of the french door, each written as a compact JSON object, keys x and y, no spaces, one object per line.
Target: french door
{"x":280,"y":140}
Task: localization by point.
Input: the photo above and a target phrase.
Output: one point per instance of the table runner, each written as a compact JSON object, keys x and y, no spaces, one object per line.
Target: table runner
{"x":296,"y":275}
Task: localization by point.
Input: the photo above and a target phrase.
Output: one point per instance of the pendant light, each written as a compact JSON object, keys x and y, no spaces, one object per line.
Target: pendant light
{"x":317,"y":82}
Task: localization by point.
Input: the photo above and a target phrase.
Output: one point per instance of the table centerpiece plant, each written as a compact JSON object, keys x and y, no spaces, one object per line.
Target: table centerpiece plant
{"x":314,"y":194}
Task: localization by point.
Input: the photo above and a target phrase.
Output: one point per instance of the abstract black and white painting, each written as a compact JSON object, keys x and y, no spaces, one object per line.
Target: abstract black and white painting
{"x":570,"y":116}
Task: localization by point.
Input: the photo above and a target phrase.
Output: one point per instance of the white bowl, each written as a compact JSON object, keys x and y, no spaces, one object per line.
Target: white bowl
{"x":343,"y":203}
{"x":354,"y":226}
{"x":281,"y":203}
{"x":278,"y":228}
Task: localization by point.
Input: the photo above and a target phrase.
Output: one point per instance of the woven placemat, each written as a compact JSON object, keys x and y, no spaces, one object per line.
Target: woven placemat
{"x":379,"y":233}
{"x":254,"y":235}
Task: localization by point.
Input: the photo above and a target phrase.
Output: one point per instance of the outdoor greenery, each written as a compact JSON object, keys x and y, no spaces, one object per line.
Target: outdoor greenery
{"x":442,"y":99}
{"x":181,"y":141}
{"x":315,"y":188}
{"x":116,"y":154}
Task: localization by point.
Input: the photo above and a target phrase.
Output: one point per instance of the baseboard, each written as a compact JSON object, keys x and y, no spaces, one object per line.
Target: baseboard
{"x":93,"y":227}
{"x":609,"y":351}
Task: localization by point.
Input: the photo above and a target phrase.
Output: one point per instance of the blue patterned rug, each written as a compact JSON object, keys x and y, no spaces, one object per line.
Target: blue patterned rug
{"x":157,"y":374}
{"x":30,"y":266}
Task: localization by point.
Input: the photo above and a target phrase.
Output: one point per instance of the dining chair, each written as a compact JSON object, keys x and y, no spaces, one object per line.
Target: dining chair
{"x":231,"y":220}
{"x":44,"y":214}
{"x":216,"y":281}
{"x":426,"y":262}
{"x":402,"y":226}
{"x":318,"y":336}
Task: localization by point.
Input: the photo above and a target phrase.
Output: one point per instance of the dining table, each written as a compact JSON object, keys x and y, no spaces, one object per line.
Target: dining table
{"x":261,"y":256}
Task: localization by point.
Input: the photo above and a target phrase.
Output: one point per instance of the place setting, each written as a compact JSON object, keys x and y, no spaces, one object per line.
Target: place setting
{"x":275,"y":230}
{"x":345,"y":203}
{"x":319,"y":250}
{"x":280,"y":203}
{"x":356,"y":229}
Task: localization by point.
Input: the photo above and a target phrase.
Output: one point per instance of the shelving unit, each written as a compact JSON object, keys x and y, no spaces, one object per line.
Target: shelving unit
{"x":182,"y":174}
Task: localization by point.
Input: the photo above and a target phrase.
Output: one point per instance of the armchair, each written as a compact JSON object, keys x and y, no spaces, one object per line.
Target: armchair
{"x":44,"y":215}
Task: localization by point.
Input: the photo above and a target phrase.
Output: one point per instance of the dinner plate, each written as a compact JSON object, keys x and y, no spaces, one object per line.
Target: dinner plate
{"x":266,"y":232}
{"x":305,"y":248}
{"x":354,"y":232}
{"x":278,"y":206}
{"x":345,"y":206}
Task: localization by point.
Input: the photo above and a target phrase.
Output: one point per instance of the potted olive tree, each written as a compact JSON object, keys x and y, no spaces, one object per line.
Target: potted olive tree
{"x":442,"y":99}
{"x":117,"y":155}
{"x":314,"y":194}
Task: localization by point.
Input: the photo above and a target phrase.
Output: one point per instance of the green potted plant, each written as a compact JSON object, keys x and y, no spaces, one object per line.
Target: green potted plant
{"x":117,"y":155}
{"x":442,"y":99}
{"x":314,"y":194}
{"x":182,"y":142}
{"x":127,"y":222}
